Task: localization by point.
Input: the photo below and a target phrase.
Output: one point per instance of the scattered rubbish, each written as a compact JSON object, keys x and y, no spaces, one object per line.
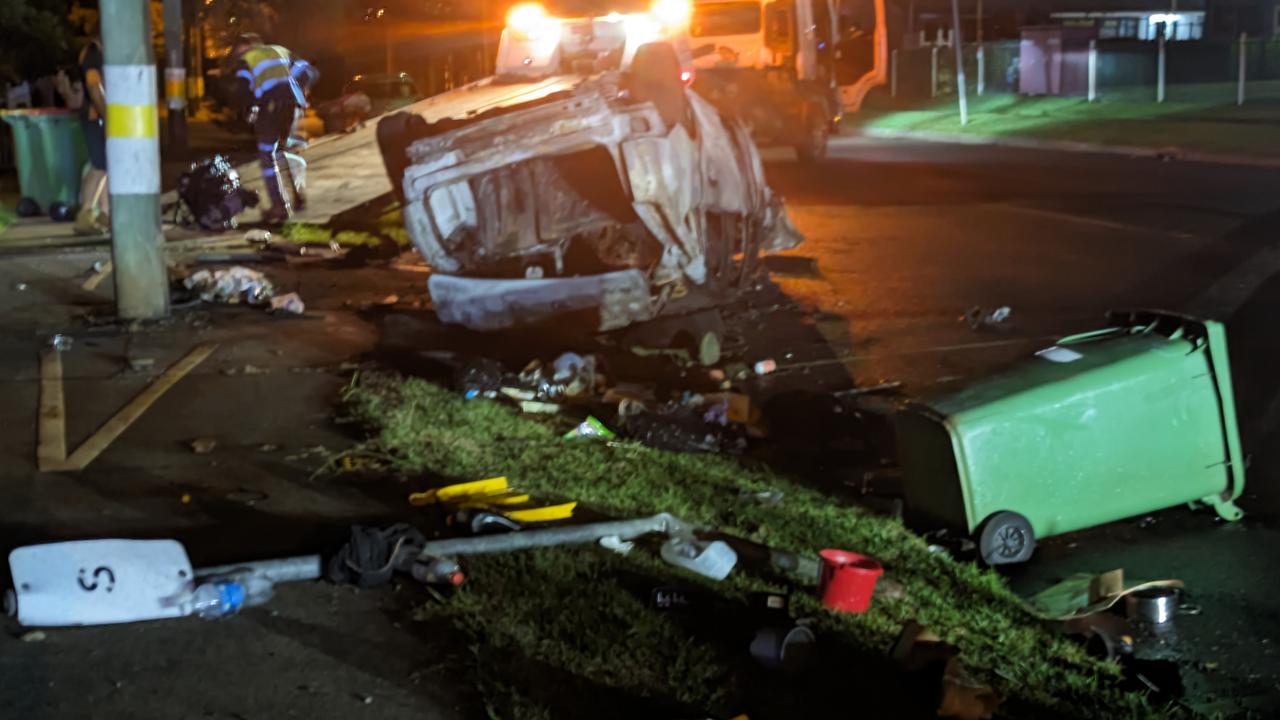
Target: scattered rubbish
{"x":715,"y":559}
{"x":234,"y":285}
{"x":792,"y":266}
{"x":1147,"y":522}
{"x":437,"y":571}
{"x":717,"y":375}
{"x":1152,"y":606}
{"x":371,"y":556}
{"x":20,"y":286}
{"x":979,"y":318}
{"x":848,"y":580}
{"x":670,"y":598}
{"x":221,"y":598}
{"x":680,"y":433}
{"x":246,"y":497}
{"x":141,"y":364}
{"x":203,"y":446}
{"x":257,"y":236}
{"x":549,"y":513}
{"x":791,"y":649}
{"x":868,"y":390}
{"x":921,"y":653}
{"x":1084,"y":594}
{"x":389,"y":300}
{"x":618,"y":545}
{"x":591,"y":428}
{"x":247,"y":370}
{"x":539,"y":408}
{"x":479,"y":377}
{"x":212,"y":195}
{"x":33,"y":636}
{"x":290,"y":304}
{"x":61,"y":343}
{"x":890,"y":589}
{"x":485,"y":522}
{"x":765,"y":367}
{"x":764,"y":497}
{"x":101,"y":265}
{"x":461,"y":492}
{"x":268,"y":448}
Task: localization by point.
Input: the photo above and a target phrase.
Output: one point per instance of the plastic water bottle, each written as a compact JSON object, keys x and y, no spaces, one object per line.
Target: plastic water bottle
{"x":228,"y":595}
{"x":217,"y":599}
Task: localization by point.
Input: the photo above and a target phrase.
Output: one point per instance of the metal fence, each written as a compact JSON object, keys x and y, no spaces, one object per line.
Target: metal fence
{"x":1128,"y":67}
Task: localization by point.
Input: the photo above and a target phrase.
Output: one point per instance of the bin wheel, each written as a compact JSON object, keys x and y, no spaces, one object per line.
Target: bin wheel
{"x":1006,"y":538}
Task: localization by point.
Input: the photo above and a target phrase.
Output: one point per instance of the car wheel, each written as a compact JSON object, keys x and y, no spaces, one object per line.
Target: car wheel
{"x":1006,"y":539}
{"x":817,"y":131}
{"x":395,"y":134}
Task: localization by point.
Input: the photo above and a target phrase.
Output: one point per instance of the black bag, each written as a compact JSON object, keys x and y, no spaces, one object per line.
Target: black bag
{"x":213,"y":195}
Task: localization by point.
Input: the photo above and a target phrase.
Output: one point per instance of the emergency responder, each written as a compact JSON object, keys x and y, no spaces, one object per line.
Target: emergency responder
{"x":271,"y":88}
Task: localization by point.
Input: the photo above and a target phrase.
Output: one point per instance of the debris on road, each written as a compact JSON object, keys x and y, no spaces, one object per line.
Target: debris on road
{"x":141,"y":364}
{"x":203,"y":446}
{"x":765,"y":367}
{"x":979,"y":318}
{"x":232,"y":286}
{"x":212,"y":196}
{"x":942,"y":675}
{"x":33,"y":636}
{"x":591,"y":428}
{"x":791,"y":649}
{"x":1083,"y":594}
{"x":1152,"y":605}
{"x":61,"y":343}
{"x":290,"y":304}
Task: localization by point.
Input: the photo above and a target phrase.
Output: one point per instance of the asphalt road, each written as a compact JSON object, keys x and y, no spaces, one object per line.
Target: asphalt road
{"x":909,"y":236}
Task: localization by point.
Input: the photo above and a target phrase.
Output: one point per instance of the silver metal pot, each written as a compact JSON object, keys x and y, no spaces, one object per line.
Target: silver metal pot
{"x":1153,"y":606}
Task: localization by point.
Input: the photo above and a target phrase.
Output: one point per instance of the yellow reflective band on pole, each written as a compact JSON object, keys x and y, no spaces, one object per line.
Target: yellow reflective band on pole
{"x":175,"y":87}
{"x":131,"y":121}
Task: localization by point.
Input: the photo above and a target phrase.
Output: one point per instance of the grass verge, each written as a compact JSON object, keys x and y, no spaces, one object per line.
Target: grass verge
{"x":1201,"y":118}
{"x":580,"y":616}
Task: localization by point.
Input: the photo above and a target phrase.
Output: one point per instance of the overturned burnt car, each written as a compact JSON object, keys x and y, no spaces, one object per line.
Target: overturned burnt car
{"x":623,"y":195}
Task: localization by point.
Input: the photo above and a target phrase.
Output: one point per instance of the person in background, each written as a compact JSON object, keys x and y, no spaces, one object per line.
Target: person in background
{"x":94,"y":215}
{"x":271,"y":89}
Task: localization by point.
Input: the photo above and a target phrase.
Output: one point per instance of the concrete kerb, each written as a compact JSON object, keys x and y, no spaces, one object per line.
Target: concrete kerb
{"x":1176,"y":153}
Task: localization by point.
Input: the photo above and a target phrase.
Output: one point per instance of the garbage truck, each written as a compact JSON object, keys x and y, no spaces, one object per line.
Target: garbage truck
{"x":586,"y":177}
{"x":789,"y":68}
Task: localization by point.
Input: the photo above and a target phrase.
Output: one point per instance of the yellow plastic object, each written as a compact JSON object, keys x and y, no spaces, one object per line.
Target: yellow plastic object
{"x":510,"y":498}
{"x":460,"y":492}
{"x":543,"y":514}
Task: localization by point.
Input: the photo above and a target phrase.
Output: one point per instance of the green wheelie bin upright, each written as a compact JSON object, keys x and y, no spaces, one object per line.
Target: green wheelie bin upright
{"x":50,"y":154}
{"x":1123,"y":421}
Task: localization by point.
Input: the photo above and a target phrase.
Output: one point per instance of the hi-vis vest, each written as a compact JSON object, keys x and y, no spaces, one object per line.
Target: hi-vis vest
{"x":270,"y":66}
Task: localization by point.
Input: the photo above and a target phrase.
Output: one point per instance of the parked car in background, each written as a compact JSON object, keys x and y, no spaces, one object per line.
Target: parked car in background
{"x":366,"y":96}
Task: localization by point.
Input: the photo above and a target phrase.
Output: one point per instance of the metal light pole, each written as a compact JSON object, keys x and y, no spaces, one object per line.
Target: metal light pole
{"x":958,"y":41}
{"x":133,"y":160}
{"x":1243,"y":71}
{"x":1093,"y":70}
{"x":1160,"y":64}
{"x":175,"y":75}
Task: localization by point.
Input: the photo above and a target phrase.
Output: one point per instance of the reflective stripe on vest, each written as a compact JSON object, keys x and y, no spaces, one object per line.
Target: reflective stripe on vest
{"x":269,"y":66}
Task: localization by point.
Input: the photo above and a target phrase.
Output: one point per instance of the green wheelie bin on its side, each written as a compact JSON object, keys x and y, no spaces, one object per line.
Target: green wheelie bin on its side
{"x":1127,"y":420}
{"x":49,"y":150}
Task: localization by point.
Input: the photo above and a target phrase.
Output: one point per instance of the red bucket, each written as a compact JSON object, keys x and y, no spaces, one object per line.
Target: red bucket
{"x":848,"y":580}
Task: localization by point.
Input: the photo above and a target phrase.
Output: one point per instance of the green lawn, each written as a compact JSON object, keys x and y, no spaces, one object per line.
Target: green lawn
{"x":556,"y":629}
{"x":1200,"y":118}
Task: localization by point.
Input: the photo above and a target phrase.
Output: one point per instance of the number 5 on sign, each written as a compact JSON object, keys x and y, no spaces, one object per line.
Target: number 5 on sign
{"x":100,"y":582}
